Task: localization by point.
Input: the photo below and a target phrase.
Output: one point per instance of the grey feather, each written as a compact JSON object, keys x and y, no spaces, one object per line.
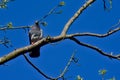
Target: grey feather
{"x":35,"y":34}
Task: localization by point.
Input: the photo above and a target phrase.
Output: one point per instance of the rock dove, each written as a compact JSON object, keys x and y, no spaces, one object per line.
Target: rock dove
{"x":35,"y":34}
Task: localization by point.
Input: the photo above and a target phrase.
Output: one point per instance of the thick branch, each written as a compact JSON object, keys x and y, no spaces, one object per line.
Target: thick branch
{"x":18,"y":52}
{"x":44,"y":41}
{"x":63,"y":36}
{"x":96,"y":49}
{"x":75,"y":16}
{"x":47,"y":40}
{"x":26,"y":49}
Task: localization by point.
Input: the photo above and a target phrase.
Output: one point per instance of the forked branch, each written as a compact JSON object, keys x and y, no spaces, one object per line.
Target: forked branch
{"x":110,"y":55}
{"x":47,"y":40}
{"x":95,"y":34}
{"x":61,"y":76}
{"x":75,"y":16}
{"x":60,"y":37}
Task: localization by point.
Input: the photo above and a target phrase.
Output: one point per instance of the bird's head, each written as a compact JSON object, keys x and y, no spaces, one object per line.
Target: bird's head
{"x":37,"y":22}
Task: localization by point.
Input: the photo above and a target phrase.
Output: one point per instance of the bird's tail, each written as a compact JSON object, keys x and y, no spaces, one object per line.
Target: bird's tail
{"x":35,"y":52}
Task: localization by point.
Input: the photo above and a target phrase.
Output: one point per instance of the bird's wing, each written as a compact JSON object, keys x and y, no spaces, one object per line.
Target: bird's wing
{"x":30,"y":37}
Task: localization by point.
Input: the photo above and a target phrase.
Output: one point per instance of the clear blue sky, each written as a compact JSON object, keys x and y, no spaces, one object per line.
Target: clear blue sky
{"x":54,"y":57}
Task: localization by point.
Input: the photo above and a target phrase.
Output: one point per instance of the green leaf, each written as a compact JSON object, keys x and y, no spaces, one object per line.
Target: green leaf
{"x":102,"y":72}
{"x":62,"y":3}
{"x":79,"y":78}
{"x":110,"y":1}
{"x":9,"y":25}
{"x":5,"y":1}
{"x":3,"y":5}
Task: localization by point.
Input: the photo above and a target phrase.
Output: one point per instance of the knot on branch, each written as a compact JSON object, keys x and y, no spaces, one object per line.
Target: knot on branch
{"x":48,"y":38}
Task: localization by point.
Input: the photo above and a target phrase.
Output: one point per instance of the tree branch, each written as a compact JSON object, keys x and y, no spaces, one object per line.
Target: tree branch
{"x":12,"y":28}
{"x":28,"y":48}
{"x":96,"y":49}
{"x":44,"y":41}
{"x":49,"y":13}
{"x":47,"y":40}
{"x":36,"y":67}
{"x":60,"y":37}
{"x":67,"y":66}
{"x":94,"y":34}
{"x":75,"y":16}
{"x":18,"y":52}
{"x":60,"y":76}
{"x":63,"y":36}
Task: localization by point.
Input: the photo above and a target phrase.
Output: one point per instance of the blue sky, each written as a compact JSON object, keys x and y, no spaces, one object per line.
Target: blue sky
{"x":54,"y":57}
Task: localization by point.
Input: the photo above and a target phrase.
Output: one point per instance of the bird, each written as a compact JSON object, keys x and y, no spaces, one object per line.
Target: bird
{"x":35,"y":34}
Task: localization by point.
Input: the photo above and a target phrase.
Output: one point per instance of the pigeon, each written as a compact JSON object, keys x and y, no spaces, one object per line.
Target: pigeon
{"x":35,"y":34}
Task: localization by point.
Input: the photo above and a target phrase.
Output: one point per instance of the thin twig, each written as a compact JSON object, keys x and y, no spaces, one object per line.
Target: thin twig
{"x":49,"y":13}
{"x":115,"y":26}
{"x":12,"y":28}
{"x":67,"y":66}
{"x":104,"y":4}
{"x":36,"y":67}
